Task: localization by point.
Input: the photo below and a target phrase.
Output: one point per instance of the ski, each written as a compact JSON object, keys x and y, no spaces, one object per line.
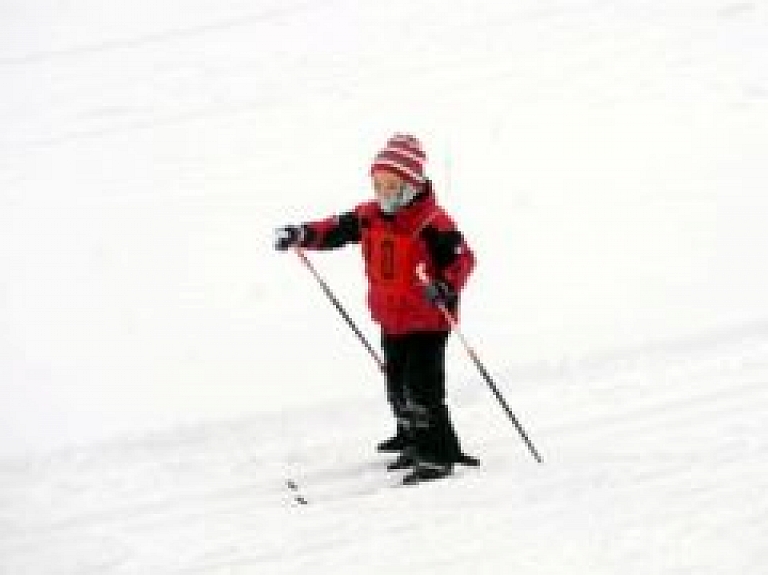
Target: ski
{"x":336,"y":484}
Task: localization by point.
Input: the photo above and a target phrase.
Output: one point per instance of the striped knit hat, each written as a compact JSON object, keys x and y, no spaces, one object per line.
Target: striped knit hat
{"x":404,"y":157}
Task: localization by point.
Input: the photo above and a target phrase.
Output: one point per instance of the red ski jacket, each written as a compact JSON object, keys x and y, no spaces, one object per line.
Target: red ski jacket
{"x":392,"y":247}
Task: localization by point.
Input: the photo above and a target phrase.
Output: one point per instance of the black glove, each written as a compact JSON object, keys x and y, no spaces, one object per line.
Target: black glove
{"x":288,"y":237}
{"x":440,"y":293}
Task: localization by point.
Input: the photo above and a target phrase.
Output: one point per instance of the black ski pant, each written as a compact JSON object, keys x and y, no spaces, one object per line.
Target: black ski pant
{"x":415,"y":377}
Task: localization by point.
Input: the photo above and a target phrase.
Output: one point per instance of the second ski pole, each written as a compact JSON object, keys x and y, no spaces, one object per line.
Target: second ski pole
{"x":424,"y":278}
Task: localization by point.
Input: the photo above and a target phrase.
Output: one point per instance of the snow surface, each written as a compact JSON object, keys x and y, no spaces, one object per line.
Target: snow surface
{"x":164,"y":373}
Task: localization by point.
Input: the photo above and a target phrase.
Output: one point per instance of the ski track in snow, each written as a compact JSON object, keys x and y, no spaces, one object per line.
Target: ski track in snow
{"x":653,"y":464}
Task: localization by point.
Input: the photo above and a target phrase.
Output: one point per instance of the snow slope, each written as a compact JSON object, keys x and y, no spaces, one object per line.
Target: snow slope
{"x":163,"y":372}
{"x":654,"y":463}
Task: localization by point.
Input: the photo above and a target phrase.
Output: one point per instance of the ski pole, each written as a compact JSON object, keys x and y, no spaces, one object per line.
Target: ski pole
{"x":340,"y":308}
{"x":424,"y":278}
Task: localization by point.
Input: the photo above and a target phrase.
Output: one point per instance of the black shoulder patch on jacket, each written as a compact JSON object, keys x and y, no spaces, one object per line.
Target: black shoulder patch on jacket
{"x":443,"y":246}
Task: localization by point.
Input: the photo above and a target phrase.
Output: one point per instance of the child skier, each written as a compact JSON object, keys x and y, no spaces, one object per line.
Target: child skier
{"x":401,"y":229}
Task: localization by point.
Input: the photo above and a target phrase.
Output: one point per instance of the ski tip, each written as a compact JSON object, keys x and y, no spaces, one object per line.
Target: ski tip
{"x":294,"y":487}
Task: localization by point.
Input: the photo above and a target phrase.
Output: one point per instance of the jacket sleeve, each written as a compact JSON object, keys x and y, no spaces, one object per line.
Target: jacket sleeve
{"x":331,"y":233}
{"x":453,"y":259}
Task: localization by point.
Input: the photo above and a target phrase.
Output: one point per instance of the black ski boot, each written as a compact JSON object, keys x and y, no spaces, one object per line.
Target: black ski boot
{"x":428,"y":472}
{"x":405,"y":460}
{"x":397,"y":442}
{"x":467,"y":460}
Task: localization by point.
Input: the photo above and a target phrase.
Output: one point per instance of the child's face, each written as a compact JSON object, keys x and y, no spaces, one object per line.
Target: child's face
{"x":386,"y":185}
